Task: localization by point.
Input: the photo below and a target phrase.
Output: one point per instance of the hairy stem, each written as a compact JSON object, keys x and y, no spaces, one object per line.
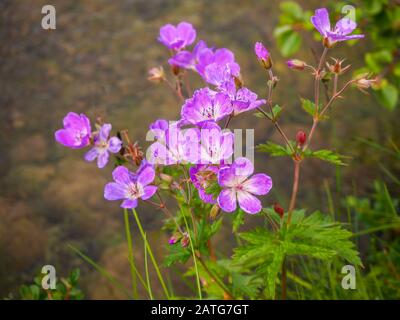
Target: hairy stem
{"x":295,"y":189}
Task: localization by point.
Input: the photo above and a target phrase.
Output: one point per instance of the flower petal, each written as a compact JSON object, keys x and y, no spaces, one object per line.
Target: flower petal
{"x":104,"y":131}
{"x":114,"y":145}
{"x":129,"y":204}
{"x":146,"y":175}
{"x":122,"y":175}
{"x":102,"y":159}
{"x":114,"y":191}
{"x":345,"y":26}
{"x":226,"y":177}
{"x":321,"y":21}
{"x":243,"y":167}
{"x":65,"y":137}
{"x":248,"y":203}
{"x":91,"y":154}
{"x":259,"y":184}
{"x":186,"y":32}
{"x":227,"y":200}
{"x":149,"y":191}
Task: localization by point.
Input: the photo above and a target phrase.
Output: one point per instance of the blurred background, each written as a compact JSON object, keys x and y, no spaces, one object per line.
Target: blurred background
{"x":96,"y":62}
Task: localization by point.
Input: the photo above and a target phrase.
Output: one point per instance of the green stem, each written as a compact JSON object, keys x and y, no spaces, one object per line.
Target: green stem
{"x":147,"y":270}
{"x":130,"y":255}
{"x":153,"y":260}
{"x":194,"y":257}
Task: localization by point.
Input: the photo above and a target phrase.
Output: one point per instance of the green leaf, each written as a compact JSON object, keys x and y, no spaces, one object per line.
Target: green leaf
{"x":388,"y":96}
{"x":289,"y":42}
{"x":74,"y":276}
{"x":292,"y":9}
{"x":326,"y":155}
{"x":274,"y":149}
{"x":177,"y":253}
{"x":238,"y":220}
{"x":377,"y":60}
{"x":247,"y":285}
{"x":316,"y":236}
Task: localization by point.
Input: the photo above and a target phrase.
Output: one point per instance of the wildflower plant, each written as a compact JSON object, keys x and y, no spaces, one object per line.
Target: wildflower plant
{"x":190,"y":161}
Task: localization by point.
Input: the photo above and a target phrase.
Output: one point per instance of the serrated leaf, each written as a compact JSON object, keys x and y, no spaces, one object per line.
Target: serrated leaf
{"x":326,"y":155}
{"x":274,"y":149}
{"x":177,"y":253}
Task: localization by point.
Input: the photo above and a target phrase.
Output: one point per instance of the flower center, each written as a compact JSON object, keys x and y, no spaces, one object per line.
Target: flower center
{"x":208,"y":111}
{"x":133,"y":191}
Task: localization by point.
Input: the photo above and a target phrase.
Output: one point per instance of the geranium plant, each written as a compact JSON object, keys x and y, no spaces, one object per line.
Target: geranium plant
{"x":191,"y":160}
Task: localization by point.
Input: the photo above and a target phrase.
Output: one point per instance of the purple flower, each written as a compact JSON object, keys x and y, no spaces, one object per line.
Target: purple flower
{"x":215,"y":66}
{"x":222,"y":57}
{"x":76,"y":132}
{"x":202,"y":177}
{"x":242,"y":99}
{"x":177,"y":37}
{"x":342,"y":29}
{"x":188,"y":60}
{"x":173,"y":145}
{"x":237,"y":186}
{"x":206,"y":105}
{"x":263,"y":55}
{"x":103,"y":145}
{"x":129,"y":186}
{"x":216,"y":145}
{"x":261,"y":51}
{"x":217,"y":74}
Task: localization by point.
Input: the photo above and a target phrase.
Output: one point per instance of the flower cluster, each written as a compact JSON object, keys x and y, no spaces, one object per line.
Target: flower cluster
{"x":77,"y":134}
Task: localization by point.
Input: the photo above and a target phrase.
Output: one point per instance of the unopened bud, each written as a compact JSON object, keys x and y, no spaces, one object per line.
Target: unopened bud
{"x":279,"y":210}
{"x":301,"y":137}
{"x":296,"y":64}
{"x":185,"y":240}
{"x":166,"y":177}
{"x":215,"y":211}
{"x":156,"y":74}
{"x":172,"y":240}
{"x":175,"y":69}
{"x":263,"y":55}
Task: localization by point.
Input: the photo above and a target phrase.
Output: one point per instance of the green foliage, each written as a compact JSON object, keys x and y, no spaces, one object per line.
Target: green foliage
{"x":274,"y":149}
{"x":176,"y":253}
{"x":291,"y":21}
{"x":379,"y":20}
{"x":66,"y":289}
{"x":326,"y":155}
{"x":314,"y":236}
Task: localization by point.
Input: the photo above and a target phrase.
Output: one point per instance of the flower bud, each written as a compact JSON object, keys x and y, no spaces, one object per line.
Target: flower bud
{"x":172,"y":240}
{"x":166,"y":177}
{"x":296,"y":64}
{"x":185,"y":240}
{"x":301,"y":137}
{"x":263,"y":55}
{"x":279,"y":210}
{"x":175,"y":70}
{"x":175,"y":238}
{"x":215,"y":211}
{"x":156,"y":74}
